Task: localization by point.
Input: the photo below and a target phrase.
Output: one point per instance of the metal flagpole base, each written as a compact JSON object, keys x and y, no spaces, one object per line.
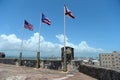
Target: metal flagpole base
{"x":38,"y":60}
{"x":20,"y":59}
{"x":65,"y":63}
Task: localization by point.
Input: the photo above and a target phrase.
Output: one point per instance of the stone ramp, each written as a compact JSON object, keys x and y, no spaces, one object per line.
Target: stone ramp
{"x":13,"y":72}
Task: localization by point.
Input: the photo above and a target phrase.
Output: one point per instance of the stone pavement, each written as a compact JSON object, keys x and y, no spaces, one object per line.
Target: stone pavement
{"x":13,"y":72}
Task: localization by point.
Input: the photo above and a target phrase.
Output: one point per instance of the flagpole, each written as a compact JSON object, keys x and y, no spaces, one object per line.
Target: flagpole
{"x":21,"y":47}
{"x":39,"y":35}
{"x":22,"y":39}
{"x":38,"y":53}
{"x":65,"y":66}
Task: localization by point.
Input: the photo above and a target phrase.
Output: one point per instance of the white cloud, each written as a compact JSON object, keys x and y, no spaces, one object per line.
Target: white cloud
{"x":11,"y":42}
{"x":82,"y":47}
{"x":60,"y":37}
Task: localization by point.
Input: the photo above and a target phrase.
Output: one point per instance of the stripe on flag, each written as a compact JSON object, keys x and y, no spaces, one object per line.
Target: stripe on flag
{"x":45,"y":20}
{"x":28,"y":26}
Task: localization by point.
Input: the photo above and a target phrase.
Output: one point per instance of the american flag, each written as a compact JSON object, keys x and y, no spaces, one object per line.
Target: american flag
{"x":28,"y":26}
{"x":45,"y":20}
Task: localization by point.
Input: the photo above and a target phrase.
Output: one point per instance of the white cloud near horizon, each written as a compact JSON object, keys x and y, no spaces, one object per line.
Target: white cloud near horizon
{"x":12,"y":42}
{"x":9,"y":42}
{"x":82,"y":47}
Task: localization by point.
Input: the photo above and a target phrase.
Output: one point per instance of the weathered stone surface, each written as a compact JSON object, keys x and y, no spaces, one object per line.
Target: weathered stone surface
{"x":49,"y":64}
{"x":100,"y":73}
{"x":96,"y":72}
{"x":8,"y":61}
{"x":13,"y":72}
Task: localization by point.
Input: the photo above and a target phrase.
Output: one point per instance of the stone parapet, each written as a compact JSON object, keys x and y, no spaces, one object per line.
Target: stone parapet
{"x":99,"y":73}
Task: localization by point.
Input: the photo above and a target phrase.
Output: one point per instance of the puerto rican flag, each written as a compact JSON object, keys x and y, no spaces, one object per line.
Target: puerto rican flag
{"x":28,"y":26}
{"x":45,"y":20}
{"x":68,"y":12}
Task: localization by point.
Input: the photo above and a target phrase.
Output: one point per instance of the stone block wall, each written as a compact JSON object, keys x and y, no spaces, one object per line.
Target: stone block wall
{"x":49,"y":64}
{"x":29,"y":63}
{"x":8,"y":61}
{"x":99,"y":73}
{"x":96,"y":72}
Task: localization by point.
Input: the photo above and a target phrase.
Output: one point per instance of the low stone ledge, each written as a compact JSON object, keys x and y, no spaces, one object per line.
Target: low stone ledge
{"x":99,"y":72}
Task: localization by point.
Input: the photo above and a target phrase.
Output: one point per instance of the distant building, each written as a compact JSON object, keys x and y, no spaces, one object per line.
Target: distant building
{"x":110,"y":60}
{"x":90,"y":61}
{"x":95,"y":63}
{"x":85,"y":61}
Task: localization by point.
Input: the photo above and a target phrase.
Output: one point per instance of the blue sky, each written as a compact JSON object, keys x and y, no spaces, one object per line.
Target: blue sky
{"x":95,"y":29}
